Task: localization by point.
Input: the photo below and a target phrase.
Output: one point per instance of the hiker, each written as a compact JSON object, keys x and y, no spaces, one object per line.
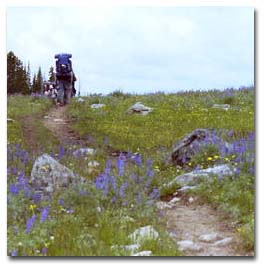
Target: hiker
{"x":65,"y":78}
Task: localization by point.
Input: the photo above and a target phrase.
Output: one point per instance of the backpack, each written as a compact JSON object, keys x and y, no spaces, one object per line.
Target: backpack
{"x":63,"y":66}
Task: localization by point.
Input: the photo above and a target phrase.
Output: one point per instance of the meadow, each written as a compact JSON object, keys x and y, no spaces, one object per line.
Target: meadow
{"x":97,"y":217}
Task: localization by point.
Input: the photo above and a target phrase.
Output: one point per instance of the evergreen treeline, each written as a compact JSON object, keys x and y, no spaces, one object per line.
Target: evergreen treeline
{"x":19,"y":77}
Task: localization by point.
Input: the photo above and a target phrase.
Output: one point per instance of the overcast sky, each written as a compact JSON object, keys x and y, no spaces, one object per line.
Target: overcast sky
{"x":139,"y":49}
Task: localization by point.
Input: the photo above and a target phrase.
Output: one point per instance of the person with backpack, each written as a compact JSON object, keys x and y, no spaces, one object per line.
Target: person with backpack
{"x":65,"y":78}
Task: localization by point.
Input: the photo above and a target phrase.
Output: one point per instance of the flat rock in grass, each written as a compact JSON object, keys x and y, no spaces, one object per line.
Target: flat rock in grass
{"x":97,"y":106}
{"x":143,"y":233}
{"x":210,"y":237}
{"x":186,"y":188}
{"x":10,"y":120}
{"x":163,"y":205}
{"x":143,"y":253}
{"x":84,"y":152}
{"x":48,"y":175}
{"x":139,"y":108}
{"x":188,"y":245}
{"x":128,"y":248}
{"x":190,"y":145}
{"x":224,"y":107}
{"x":205,"y":174}
{"x":80,"y":100}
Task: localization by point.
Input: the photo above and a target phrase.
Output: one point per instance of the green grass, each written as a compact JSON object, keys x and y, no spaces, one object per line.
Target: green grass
{"x":89,"y":223}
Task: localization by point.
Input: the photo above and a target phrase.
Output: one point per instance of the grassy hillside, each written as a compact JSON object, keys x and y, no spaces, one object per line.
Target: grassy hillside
{"x":87,"y":220}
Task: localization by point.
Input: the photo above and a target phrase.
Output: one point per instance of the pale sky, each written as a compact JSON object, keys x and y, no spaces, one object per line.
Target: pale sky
{"x":139,"y":49}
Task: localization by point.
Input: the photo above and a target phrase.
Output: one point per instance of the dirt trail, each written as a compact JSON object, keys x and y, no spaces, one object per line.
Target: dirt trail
{"x":56,"y":121}
{"x":209,"y":230}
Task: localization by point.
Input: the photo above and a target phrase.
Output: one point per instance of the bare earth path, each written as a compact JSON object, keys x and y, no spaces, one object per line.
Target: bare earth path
{"x":210,"y":233}
{"x":56,"y":121}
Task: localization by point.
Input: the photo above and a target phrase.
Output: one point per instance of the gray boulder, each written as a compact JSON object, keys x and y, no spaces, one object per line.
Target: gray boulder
{"x":48,"y":175}
{"x":97,"y":106}
{"x":139,"y":108}
{"x":143,"y":233}
{"x":191,"y":144}
{"x":84,"y":152}
{"x":192,"y":178}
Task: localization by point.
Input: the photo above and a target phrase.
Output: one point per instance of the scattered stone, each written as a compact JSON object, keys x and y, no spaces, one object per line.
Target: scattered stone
{"x":174,"y":200}
{"x":224,"y":241}
{"x":10,"y":120}
{"x":144,"y":233}
{"x":163,"y":205}
{"x":93,"y":164}
{"x":58,"y":120}
{"x":143,"y":253}
{"x":84,"y":152}
{"x":129,"y":248}
{"x":46,"y":117}
{"x":194,"y":177}
{"x":191,"y":144}
{"x":186,"y":188}
{"x":139,"y":108}
{"x":49,"y":175}
{"x":80,"y":100}
{"x":97,"y":106}
{"x":191,"y":200}
{"x":210,"y":237}
{"x":224,"y":107}
{"x":188,"y":245}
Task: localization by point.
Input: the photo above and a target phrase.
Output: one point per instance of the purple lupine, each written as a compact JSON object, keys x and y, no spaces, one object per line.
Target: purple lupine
{"x":14,"y":253}
{"x":30,"y":223}
{"x":150,"y":172}
{"x":139,"y":198}
{"x":44,"y":214}
{"x":83,"y":192}
{"x":122,"y":189}
{"x":121,"y":165}
{"x":60,"y":202}
{"x":137,"y":159}
{"x":251,"y":170}
{"x":108,"y":166}
{"x":61,"y":152}
{"x":14,"y":189}
{"x":44,"y":250}
{"x":113,"y":182}
{"x":36,"y":197}
{"x":155,"y":194}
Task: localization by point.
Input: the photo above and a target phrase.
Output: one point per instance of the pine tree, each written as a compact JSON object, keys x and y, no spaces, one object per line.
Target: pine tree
{"x":51,"y":74}
{"x":11,"y":72}
{"x":39,"y":81}
{"x":28,"y":74}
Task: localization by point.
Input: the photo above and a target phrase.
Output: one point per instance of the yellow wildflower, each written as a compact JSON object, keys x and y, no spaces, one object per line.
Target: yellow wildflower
{"x":209,"y":158}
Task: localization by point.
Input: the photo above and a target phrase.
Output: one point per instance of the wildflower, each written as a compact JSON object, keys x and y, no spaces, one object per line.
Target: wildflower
{"x":122,"y":189}
{"x":139,"y":199}
{"x":216,"y":157}
{"x":14,"y":189}
{"x":155,"y":194}
{"x":20,"y":244}
{"x":60,"y":202}
{"x":44,"y":250}
{"x":209,"y":158}
{"x":61,"y":152}
{"x":137,"y":159}
{"x":32,"y":207}
{"x":14,"y":253}
{"x":44,"y":214}
{"x":30,"y":223}
{"x":121,"y":165}
{"x":52,"y":238}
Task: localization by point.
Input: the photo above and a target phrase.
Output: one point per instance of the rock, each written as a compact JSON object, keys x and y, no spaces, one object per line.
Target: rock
{"x":46,"y":117}
{"x":93,"y":164}
{"x":191,"y":144}
{"x":143,"y":253}
{"x":10,"y":120}
{"x":224,"y":107}
{"x":188,"y":245}
{"x":129,"y":248}
{"x":224,"y":241}
{"x":210,"y":237}
{"x":84,"y":152}
{"x":174,"y":201}
{"x":97,"y":106}
{"x":143,"y":233}
{"x":206,"y":174}
{"x":191,"y":200}
{"x":49,"y":175}
{"x":58,"y":120}
{"x":139,"y":108}
{"x":163,"y":205}
{"x":185,"y":188}
{"x":80,"y":100}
